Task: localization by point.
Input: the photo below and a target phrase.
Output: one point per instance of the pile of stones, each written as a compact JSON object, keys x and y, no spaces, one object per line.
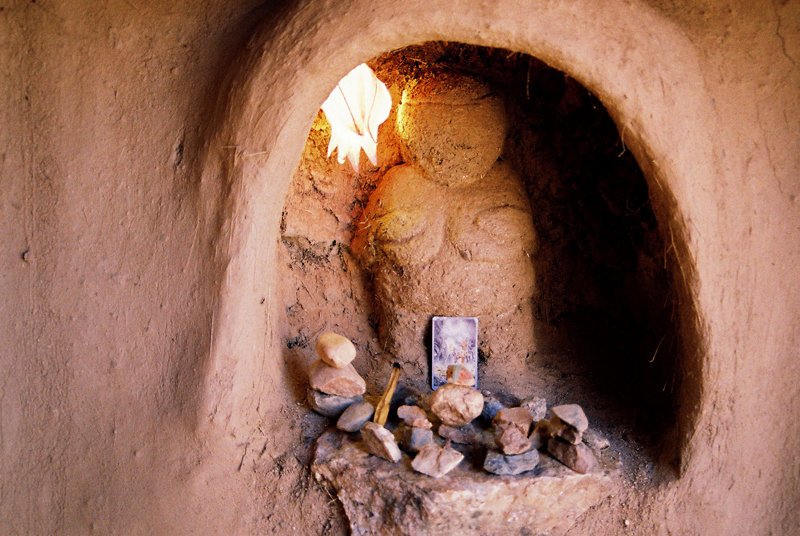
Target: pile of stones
{"x":512,"y":440}
{"x":335,"y":383}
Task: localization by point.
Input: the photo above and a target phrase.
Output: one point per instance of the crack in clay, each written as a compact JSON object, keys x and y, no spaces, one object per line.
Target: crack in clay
{"x":779,"y":35}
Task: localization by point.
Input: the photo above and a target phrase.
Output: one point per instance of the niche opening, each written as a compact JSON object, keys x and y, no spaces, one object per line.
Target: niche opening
{"x":611,"y":317}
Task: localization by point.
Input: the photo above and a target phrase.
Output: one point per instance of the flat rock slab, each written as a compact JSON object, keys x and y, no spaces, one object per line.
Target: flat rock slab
{"x":500,"y":464}
{"x":384,"y":498}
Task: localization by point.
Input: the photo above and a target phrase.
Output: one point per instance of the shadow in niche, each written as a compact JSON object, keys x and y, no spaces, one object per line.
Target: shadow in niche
{"x":615,"y":321}
{"x":614,"y":316}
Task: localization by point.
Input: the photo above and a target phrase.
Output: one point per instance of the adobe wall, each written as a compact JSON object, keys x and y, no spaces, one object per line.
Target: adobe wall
{"x":146,"y":153}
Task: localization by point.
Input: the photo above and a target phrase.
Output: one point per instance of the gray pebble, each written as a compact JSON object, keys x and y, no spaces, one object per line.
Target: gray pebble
{"x":355,"y":416}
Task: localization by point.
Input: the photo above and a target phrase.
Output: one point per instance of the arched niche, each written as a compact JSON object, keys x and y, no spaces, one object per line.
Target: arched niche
{"x":640,"y":67}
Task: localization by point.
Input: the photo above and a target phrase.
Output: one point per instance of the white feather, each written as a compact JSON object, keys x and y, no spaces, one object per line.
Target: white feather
{"x":355,"y":109}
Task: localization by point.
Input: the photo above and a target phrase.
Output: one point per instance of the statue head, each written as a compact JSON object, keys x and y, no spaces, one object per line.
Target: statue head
{"x":452,"y":126}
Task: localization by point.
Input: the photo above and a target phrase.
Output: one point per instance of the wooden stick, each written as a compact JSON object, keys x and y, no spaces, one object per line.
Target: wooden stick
{"x":382,"y":409}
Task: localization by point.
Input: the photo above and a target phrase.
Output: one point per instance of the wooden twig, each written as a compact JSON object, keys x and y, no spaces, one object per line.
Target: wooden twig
{"x":382,"y":409}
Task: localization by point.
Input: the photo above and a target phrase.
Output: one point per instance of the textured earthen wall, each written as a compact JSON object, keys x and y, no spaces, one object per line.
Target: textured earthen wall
{"x":142,"y":176}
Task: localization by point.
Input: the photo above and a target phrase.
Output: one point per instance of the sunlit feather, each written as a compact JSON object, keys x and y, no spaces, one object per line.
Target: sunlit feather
{"x":355,"y":108}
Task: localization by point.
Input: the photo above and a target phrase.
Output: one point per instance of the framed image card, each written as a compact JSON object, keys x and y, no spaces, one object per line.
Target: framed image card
{"x":455,"y":342}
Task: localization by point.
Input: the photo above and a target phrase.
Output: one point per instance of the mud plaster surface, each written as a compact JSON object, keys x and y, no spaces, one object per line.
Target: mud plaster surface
{"x":600,"y":264}
{"x":109,"y":298}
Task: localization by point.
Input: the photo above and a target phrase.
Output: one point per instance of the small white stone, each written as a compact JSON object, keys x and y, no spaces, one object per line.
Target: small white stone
{"x":413,"y":438}
{"x":414,"y":416}
{"x":436,"y":461}
{"x":456,"y":405}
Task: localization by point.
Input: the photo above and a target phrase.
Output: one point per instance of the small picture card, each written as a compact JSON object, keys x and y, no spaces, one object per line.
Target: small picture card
{"x":455,"y":342}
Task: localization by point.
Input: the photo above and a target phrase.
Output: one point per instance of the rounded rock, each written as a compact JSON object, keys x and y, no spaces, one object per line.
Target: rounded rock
{"x":355,"y":416}
{"x":330,"y":405}
{"x":573,"y":415}
{"x":456,"y":405}
{"x":335,"y":350}
{"x":344,"y":382}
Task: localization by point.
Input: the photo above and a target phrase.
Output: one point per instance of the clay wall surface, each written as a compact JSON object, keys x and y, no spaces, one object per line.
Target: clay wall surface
{"x":145,"y":152}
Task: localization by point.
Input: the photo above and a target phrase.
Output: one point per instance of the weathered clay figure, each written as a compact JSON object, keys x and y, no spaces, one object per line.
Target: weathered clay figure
{"x":450,"y":231}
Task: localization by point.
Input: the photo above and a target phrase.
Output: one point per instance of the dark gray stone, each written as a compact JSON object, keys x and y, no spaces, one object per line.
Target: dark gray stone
{"x":330,"y":405}
{"x":491,"y":405}
{"x":413,"y":438}
{"x":466,"y":435}
{"x":355,"y":416}
{"x":500,"y":464}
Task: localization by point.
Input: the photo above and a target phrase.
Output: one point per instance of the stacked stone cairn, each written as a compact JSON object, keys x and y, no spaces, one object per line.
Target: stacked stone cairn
{"x":337,"y":389}
{"x":567,"y":425}
{"x":521,"y":431}
{"x":514,"y":452}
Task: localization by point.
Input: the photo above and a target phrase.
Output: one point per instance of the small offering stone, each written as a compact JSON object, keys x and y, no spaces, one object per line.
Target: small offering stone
{"x":335,"y":350}
{"x":595,"y":440}
{"x":573,"y":415}
{"x":540,"y":434}
{"x":536,"y":405}
{"x":436,"y":461}
{"x":413,"y":438}
{"x":460,"y":375}
{"x":380,"y":442}
{"x":414,"y":416}
{"x":330,"y":405}
{"x":501,"y":464}
{"x":577,"y":457}
{"x":567,"y":432}
{"x":456,"y":405}
{"x":466,"y":435}
{"x":336,"y":381}
{"x":355,"y":416}
{"x":511,"y":440}
{"x":519,"y":417}
{"x":491,"y":405}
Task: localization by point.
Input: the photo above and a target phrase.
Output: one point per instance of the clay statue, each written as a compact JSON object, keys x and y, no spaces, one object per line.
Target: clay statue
{"x":450,"y":231}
